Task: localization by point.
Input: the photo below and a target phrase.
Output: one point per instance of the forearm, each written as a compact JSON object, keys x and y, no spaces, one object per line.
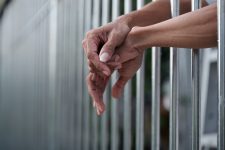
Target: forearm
{"x":192,"y":30}
{"x":155,"y":12}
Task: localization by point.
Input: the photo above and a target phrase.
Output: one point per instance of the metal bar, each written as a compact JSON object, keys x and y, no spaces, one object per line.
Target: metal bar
{"x":95,"y":120}
{"x":76,"y":39}
{"x":74,"y":44}
{"x":127,"y":98}
{"x":86,"y":140}
{"x":114,"y":103}
{"x":173,"y":140}
{"x":140,"y":99}
{"x":52,"y":69}
{"x":106,"y":96}
{"x":196,"y":101}
{"x":80,"y":72}
{"x":140,"y":108}
{"x":221,"y":73}
{"x":155,"y":134}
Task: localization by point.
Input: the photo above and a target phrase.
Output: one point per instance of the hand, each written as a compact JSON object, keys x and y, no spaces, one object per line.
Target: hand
{"x":97,"y":84}
{"x":96,"y":87}
{"x":130,"y":57}
{"x":103,"y":41}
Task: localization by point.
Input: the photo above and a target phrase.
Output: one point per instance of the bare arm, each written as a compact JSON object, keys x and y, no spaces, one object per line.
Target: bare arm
{"x":156,"y":12}
{"x":192,"y":30}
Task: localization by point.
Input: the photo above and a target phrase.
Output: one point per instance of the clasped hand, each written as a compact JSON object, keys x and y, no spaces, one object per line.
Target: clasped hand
{"x":110,"y":48}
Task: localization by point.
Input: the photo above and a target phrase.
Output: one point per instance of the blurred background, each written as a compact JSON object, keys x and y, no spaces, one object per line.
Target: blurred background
{"x":44,"y":104}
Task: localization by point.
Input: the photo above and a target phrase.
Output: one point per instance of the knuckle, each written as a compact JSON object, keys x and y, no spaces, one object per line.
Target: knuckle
{"x":83,"y":42}
{"x":90,"y":34}
{"x":89,"y":62}
{"x":90,"y":56}
{"x":88,"y":78}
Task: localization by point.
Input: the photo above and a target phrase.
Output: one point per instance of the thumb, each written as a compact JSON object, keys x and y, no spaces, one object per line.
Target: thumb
{"x":119,"y":86}
{"x":108,"y":50}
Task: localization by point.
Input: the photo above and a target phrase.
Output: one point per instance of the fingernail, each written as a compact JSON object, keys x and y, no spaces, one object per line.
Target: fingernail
{"x":94,"y":104}
{"x":98,"y":113}
{"x":104,"y":57}
{"x":106,"y":73}
{"x":100,"y":108}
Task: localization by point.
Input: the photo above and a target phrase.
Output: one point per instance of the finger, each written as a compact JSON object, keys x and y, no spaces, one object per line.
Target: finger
{"x":93,"y":69}
{"x":114,"y":65}
{"x":115,"y":58}
{"x":108,"y":48}
{"x":93,"y":91}
{"x":90,"y":66}
{"x":119,"y":86}
{"x":94,"y":105}
{"x":92,"y":55}
{"x":125,"y":53}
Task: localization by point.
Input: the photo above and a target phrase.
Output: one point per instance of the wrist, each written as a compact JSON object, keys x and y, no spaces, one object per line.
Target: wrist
{"x":127,"y":19}
{"x":141,"y":38}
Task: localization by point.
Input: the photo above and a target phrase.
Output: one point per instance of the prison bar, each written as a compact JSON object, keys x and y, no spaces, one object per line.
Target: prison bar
{"x":127,"y":99}
{"x":80,"y":70}
{"x":52,"y":65}
{"x":155,"y":128}
{"x":140,"y":98}
{"x":106,"y":97}
{"x":96,"y":23}
{"x":196,"y":101}
{"x":174,"y":85}
{"x":221,"y":74}
{"x":87,"y":100}
{"x":155,"y":134}
{"x":114,"y":102}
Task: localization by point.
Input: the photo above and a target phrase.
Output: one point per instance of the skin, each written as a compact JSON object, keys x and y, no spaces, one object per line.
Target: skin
{"x":192,"y":30}
{"x":110,"y":36}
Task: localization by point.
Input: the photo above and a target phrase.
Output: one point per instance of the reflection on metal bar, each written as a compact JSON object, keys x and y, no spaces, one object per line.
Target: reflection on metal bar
{"x":155,"y":134}
{"x":174,"y":86}
{"x":52,"y":68}
{"x":106,"y":96}
{"x":127,"y":98}
{"x":95,"y":120}
{"x":221,"y":74}
{"x":114,"y":103}
{"x":87,"y":101}
{"x":140,"y":99}
{"x":196,"y":101}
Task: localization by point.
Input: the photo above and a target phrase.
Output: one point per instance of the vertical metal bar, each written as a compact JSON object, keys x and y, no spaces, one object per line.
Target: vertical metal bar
{"x":127,"y":98}
{"x":140,"y":99}
{"x":196,"y":102}
{"x":74,"y":40}
{"x":221,"y":73}
{"x":52,"y":68}
{"x":86,"y":142}
{"x":106,"y":96}
{"x":114,"y":103}
{"x":140,"y":108}
{"x":80,"y":72}
{"x":155,"y":134}
{"x":95,"y":120}
{"x":173,"y":141}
